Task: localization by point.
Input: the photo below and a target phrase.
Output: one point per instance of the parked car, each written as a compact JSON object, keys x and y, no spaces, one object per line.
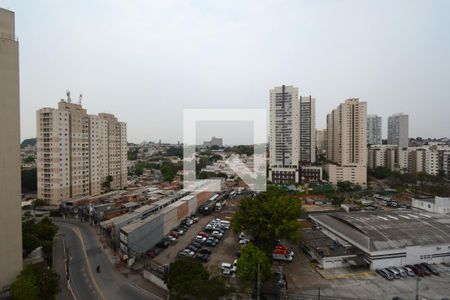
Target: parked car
{"x":210,"y":243}
{"x":244,"y":241}
{"x":192,"y":247}
{"x":430,"y":268}
{"x":205,"y":251}
{"x":387,"y":275}
{"x":171,"y":238}
{"x":394,"y":272}
{"x":213,"y":239}
{"x":409,"y":271}
{"x":424,"y":270}
{"x":188,"y":252}
{"x":204,"y":257}
{"x":180,"y":231}
{"x":402,"y":272}
{"x":202,"y":233}
{"x":200,"y":239}
{"x":417,"y":271}
{"x":174,"y":234}
{"x":228,"y":269}
{"x":224,"y":224}
{"x":217,"y":233}
{"x":291,"y":253}
{"x":196,"y":244}
{"x":194,"y":219}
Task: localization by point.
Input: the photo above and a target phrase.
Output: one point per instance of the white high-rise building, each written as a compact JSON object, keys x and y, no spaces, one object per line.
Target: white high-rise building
{"x":398,"y":130}
{"x":284,"y":127}
{"x":374,"y":126}
{"x":292,"y":133}
{"x":77,"y":153}
{"x":10,"y":211}
{"x":347,"y":142}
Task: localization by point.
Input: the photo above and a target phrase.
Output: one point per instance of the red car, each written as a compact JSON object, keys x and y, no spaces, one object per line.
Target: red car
{"x":204,"y":234}
{"x":174,"y":234}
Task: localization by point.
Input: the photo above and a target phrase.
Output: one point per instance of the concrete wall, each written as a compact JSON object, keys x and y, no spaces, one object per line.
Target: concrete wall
{"x":10,"y":211}
{"x":170,"y":219}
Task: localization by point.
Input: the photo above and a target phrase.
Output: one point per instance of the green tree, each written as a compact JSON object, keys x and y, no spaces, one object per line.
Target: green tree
{"x":175,"y":151}
{"x":168,"y":171}
{"x":29,"y":159}
{"x":107,"y":184}
{"x":29,"y":180}
{"x":132,"y":155}
{"x":247,"y":264}
{"x":188,"y":279}
{"x":39,"y":234}
{"x":269,"y":216}
{"x":35,"y":283}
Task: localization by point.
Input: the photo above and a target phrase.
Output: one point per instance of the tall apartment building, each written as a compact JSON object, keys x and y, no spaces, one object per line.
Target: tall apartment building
{"x":77,"y":152}
{"x":347,"y":142}
{"x":10,"y":211}
{"x":307,"y":130}
{"x":398,"y":130}
{"x":374,"y":126}
{"x":431,"y":159}
{"x":292,"y":133}
{"x":321,"y":141}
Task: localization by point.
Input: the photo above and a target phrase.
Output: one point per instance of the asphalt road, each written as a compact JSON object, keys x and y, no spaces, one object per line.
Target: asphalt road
{"x":86,"y":283}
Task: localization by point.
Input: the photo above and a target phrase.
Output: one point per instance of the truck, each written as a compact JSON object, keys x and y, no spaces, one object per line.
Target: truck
{"x":282,"y":254}
{"x":220,"y":204}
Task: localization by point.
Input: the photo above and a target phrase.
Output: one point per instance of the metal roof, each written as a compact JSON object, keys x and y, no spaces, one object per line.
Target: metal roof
{"x":375,"y":231}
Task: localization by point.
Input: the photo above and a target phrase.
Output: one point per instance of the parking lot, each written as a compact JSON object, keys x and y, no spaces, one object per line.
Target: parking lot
{"x":226,"y":249}
{"x":372,"y":286}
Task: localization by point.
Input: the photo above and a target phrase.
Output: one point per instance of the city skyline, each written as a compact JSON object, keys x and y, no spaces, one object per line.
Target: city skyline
{"x":133,"y":60}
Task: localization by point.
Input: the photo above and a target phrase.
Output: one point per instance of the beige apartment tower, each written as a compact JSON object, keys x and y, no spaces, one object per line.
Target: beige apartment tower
{"x":347,"y":142}
{"x":77,"y":152}
{"x":10,"y":211}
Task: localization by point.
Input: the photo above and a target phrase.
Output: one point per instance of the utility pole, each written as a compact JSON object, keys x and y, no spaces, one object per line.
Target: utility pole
{"x":417,"y":288}
{"x":258,"y":285}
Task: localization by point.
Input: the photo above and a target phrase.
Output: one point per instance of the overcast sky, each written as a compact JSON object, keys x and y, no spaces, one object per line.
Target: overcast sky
{"x":145,"y":61}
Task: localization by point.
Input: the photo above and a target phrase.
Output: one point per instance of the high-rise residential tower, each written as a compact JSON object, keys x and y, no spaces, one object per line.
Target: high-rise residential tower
{"x":10,"y":211}
{"x":79,"y":154}
{"x":307,"y":130}
{"x":374,"y":130}
{"x":292,"y":133}
{"x":398,"y":130}
{"x":321,"y":141}
{"x":347,"y":142}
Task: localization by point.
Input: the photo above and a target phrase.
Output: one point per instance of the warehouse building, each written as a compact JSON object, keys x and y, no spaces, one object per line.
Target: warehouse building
{"x":141,"y":235}
{"x":393,"y":238}
{"x":437,"y":204}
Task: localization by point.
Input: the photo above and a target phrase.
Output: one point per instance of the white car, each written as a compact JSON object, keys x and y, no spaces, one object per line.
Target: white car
{"x":228,"y":269}
{"x":225,"y":224}
{"x":217,"y":234}
{"x":200,"y":239}
{"x":188,"y":252}
{"x":171,"y":238}
{"x":243,"y":241}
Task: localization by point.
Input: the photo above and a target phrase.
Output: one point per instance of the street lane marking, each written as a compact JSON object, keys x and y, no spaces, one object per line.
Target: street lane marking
{"x":76,"y":230}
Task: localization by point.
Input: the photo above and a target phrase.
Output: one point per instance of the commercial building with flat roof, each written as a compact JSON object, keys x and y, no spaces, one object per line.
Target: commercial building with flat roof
{"x":392,"y":238}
